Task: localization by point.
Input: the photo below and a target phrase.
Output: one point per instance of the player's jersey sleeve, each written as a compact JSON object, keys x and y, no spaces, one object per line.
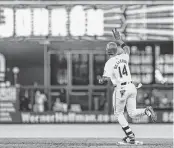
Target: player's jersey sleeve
{"x":126,"y":56}
{"x":108,"y":69}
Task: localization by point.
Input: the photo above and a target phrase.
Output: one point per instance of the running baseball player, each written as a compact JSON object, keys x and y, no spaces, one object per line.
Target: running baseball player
{"x":117,"y":70}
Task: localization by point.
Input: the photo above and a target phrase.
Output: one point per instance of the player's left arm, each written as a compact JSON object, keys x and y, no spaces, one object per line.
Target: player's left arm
{"x":118,"y":39}
{"x":103,"y":79}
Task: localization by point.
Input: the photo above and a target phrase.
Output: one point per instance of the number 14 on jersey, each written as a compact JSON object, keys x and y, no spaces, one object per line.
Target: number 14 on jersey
{"x":122,"y":71}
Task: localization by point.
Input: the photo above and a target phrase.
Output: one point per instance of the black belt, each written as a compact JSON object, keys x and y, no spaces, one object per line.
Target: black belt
{"x":125,"y":83}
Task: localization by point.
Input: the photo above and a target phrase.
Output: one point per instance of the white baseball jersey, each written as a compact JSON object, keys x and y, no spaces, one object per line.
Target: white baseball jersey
{"x":117,"y":69}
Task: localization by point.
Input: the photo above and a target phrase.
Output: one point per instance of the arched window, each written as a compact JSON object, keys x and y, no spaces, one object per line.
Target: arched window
{"x":2,"y":67}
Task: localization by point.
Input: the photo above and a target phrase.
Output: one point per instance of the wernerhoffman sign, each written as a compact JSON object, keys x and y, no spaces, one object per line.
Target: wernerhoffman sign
{"x":71,"y":117}
{"x":59,"y":117}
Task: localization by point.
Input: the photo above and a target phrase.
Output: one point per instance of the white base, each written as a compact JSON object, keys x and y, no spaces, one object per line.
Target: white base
{"x":136,"y":143}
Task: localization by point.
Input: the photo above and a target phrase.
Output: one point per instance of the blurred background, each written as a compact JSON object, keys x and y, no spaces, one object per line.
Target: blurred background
{"x":52,"y":52}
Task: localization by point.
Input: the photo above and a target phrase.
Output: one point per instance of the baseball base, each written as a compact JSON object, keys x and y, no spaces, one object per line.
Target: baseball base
{"x":136,"y":143}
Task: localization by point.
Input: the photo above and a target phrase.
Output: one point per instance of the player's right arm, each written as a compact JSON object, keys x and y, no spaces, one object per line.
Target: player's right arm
{"x":102,"y":79}
{"x":107,"y":73}
{"x":118,"y":39}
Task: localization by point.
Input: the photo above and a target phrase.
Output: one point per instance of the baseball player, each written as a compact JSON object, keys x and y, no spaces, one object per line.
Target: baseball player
{"x":117,"y":70}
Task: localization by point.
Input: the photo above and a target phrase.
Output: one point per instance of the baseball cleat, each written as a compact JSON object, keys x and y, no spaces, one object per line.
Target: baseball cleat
{"x":128,"y":140}
{"x":150,"y":112}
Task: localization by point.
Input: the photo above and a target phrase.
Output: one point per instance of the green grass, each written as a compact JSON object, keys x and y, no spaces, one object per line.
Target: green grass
{"x":80,"y":143}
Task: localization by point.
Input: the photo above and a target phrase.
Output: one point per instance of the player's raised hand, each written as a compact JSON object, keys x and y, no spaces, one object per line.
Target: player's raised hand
{"x":116,"y":34}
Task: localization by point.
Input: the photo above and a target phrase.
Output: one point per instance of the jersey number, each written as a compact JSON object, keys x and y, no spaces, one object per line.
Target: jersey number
{"x":122,"y":72}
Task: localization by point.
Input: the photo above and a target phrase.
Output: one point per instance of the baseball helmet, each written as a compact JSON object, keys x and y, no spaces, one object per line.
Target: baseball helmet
{"x":111,"y":48}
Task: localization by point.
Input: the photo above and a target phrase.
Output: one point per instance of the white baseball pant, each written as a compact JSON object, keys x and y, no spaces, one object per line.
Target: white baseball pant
{"x":126,"y":96}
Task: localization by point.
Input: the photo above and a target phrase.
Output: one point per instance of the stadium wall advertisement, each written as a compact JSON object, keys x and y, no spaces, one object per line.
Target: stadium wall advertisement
{"x":9,"y":105}
{"x":59,"y":117}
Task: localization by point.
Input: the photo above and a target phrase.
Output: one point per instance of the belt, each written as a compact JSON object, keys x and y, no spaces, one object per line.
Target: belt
{"x":125,"y":83}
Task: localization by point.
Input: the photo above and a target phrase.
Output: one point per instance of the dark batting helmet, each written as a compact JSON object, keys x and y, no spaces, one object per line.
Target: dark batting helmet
{"x":111,"y":48}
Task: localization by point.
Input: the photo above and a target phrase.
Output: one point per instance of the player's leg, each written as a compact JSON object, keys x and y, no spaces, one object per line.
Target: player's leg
{"x":119,"y":102}
{"x":119,"y":105}
{"x":131,"y":106}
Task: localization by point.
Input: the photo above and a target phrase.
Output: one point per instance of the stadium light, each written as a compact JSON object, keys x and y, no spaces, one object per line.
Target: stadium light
{"x":77,"y":21}
{"x":153,"y":37}
{"x":6,"y":29}
{"x":90,"y":22}
{"x":114,"y":10}
{"x":41,"y":22}
{"x":23,"y":22}
{"x":132,"y":38}
{"x":116,"y":17}
{"x":99,"y":22}
{"x":59,"y":22}
{"x":150,"y":31}
{"x":160,"y":8}
{"x":95,"y":22}
{"x":111,"y":26}
{"x":150,"y":20}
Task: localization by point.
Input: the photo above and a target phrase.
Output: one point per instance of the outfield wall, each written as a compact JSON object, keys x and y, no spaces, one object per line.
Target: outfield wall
{"x":71,"y":117}
{"x":11,"y":113}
